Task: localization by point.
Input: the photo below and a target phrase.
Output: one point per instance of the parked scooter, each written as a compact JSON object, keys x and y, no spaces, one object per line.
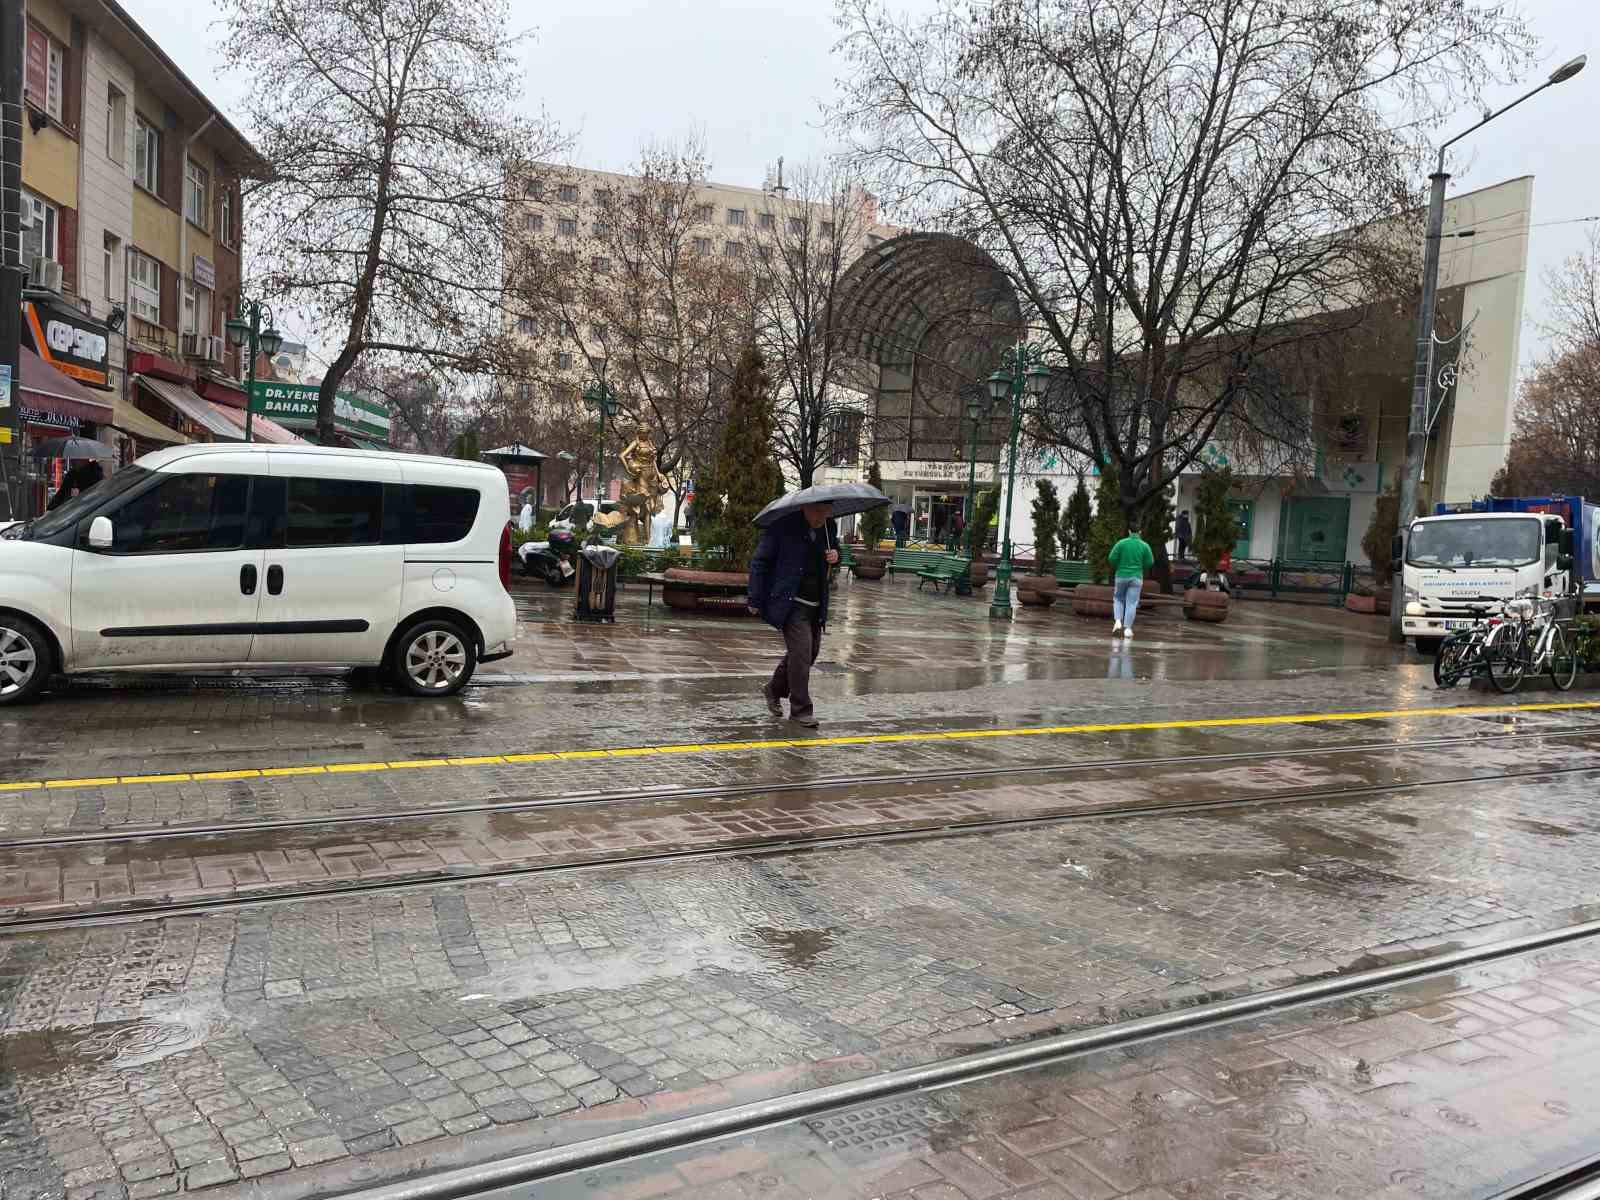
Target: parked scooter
{"x":554,"y":560}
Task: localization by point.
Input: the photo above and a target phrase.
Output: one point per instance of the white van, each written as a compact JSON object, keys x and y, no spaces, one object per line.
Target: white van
{"x":210,"y":557}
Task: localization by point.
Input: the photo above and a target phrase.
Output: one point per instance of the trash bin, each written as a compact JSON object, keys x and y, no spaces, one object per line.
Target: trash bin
{"x":597,"y":584}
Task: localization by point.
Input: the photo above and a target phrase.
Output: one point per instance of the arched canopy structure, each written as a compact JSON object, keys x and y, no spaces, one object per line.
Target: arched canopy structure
{"x":933,"y":313}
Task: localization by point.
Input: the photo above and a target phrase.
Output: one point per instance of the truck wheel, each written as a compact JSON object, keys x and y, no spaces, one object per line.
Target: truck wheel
{"x":26,"y":660}
{"x":434,"y":658}
{"x":1428,"y":646}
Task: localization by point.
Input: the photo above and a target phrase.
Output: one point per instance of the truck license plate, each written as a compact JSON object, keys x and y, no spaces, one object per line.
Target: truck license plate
{"x":1458,"y":624}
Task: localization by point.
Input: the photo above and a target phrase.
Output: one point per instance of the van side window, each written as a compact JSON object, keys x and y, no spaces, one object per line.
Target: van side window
{"x":183,"y":515}
{"x":442,"y":514}
{"x":334,"y":512}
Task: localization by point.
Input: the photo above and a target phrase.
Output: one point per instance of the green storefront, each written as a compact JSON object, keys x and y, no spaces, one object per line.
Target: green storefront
{"x":364,"y":421}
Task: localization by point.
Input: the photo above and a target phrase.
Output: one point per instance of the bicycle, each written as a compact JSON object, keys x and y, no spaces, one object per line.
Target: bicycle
{"x":1535,"y":639}
{"x":1462,"y":653}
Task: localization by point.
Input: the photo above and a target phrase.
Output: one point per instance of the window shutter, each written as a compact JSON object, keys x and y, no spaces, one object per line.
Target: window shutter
{"x":67,"y":247}
{"x":72,"y":81}
{"x":170,"y":185}
{"x":169,"y":297}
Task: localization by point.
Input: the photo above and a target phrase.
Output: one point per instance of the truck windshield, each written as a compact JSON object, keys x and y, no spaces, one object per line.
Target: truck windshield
{"x":53,"y":522}
{"x":1486,"y":542}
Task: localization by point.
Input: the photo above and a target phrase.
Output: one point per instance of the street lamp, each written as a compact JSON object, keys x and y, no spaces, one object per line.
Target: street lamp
{"x":603,"y":401}
{"x":246,"y":326}
{"x":567,"y":457}
{"x":1021,"y":371}
{"x":976,"y":411}
{"x":1422,"y":378}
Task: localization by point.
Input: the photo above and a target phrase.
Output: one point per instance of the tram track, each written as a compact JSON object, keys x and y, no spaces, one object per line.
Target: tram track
{"x":533,"y":802}
{"x":742,"y":847}
{"x":510,"y":1177}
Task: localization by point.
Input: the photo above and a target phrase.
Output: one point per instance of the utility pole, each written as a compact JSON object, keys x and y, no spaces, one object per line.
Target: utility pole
{"x":13,"y":39}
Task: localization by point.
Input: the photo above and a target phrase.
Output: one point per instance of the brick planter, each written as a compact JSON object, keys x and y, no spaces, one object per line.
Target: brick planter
{"x":1201,"y":604}
{"x":866,"y":565}
{"x":1037,"y":591}
{"x":1092,"y":600}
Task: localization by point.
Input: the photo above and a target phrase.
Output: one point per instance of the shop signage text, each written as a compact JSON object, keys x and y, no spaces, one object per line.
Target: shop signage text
{"x":924,"y":471}
{"x":295,"y":404}
{"x":53,"y":420}
{"x":205,"y":272}
{"x":73,"y":345}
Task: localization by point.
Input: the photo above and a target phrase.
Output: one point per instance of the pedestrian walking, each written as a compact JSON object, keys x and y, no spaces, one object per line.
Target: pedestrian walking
{"x":900,"y":518}
{"x":77,"y":479}
{"x":789,"y":591}
{"x":1129,"y":559}
{"x":958,"y":527}
{"x":1185,"y":534}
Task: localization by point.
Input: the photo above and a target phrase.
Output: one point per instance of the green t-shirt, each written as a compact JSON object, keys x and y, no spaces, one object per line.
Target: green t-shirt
{"x":1130,"y":557}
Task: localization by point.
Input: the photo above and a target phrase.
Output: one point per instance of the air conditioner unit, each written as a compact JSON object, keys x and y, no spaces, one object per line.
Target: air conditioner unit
{"x":219,"y":348}
{"x":44,"y":273}
{"x":190,"y":345}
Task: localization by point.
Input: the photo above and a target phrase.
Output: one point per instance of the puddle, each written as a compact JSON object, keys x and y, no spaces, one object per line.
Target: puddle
{"x":796,"y":947}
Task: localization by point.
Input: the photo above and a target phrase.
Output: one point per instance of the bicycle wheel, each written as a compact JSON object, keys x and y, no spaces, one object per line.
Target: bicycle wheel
{"x":1506,"y":657}
{"x":1563,"y":659}
{"x":1450,"y":664}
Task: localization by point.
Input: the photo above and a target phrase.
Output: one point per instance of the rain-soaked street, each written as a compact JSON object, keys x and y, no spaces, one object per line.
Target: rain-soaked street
{"x":1240,"y":910}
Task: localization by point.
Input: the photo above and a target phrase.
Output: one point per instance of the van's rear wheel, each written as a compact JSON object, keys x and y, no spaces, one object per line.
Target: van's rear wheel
{"x":26,"y":659}
{"x":434,"y":658}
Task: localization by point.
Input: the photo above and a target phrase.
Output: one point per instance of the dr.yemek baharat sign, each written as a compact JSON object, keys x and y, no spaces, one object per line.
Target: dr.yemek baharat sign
{"x":294,"y":406}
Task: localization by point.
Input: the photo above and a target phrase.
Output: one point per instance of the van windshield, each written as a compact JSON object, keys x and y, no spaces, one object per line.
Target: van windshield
{"x":53,"y":522}
{"x":1485,"y":542}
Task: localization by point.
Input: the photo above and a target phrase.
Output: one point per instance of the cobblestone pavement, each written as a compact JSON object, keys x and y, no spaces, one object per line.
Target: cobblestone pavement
{"x":1458,"y":1086}
{"x":183,"y":1053}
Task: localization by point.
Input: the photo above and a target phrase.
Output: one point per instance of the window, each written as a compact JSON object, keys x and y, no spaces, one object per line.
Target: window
{"x":567,"y":260}
{"x":116,"y":124}
{"x":184,"y":515}
{"x":602,"y":229}
{"x":567,"y":193}
{"x":112,"y":254}
{"x":334,"y":512}
{"x":144,"y":287}
{"x":146,"y":155}
{"x":225,"y":217}
{"x":603,"y":197}
{"x":600,"y":265}
{"x":703,"y":212}
{"x":797,"y":225}
{"x":733,"y":249}
{"x":702,"y":245}
{"x":441,"y":514}
{"x":844,"y":438}
{"x":564,"y":360}
{"x":44,"y":70}
{"x":197,"y":304}
{"x":669,"y":209}
{"x":196,"y":191}
{"x":764,"y":252}
{"x":525,"y":326}
{"x":533,"y":223}
{"x":524,"y":392}
{"x":766,"y":220}
{"x":827,"y":229}
{"x":567,"y":226}
{"x":40,"y":235}
{"x":736,"y":217}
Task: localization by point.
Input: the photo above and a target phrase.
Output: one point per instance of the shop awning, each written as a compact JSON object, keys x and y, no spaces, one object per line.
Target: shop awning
{"x":42,"y":386}
{"x":262,"y":429}
{"x":142,"y":425}
{"x":201,"y":411}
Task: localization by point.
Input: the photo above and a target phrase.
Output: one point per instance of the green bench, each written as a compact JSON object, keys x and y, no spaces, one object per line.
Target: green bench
{"x":915,"y":561}
{"x":950,"y":572}
{"x":1073,"y":573}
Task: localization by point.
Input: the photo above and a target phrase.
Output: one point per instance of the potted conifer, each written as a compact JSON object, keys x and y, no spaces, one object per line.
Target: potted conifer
{"x":870,"y":562}
{"x":1038,"y":588}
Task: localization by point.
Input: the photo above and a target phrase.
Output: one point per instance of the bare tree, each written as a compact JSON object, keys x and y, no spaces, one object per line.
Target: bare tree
{"x":640,"y":297}
{"x":389,"y":126}
{"x":1184,"y":193}
{"x":806,"y":237}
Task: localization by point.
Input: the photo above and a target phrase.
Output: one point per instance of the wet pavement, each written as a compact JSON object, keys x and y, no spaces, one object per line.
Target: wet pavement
{"x":530,"y":950}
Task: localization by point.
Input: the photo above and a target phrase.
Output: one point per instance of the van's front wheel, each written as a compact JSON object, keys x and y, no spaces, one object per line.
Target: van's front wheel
{"x":26,"y":659}
{"x":434,"y":658}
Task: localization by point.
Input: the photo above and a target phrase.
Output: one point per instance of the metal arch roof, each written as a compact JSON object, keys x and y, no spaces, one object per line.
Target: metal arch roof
{"x":900,"y":291}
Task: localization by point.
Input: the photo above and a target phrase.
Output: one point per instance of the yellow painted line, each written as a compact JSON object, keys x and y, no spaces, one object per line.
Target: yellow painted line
{"x":1382,"y":714}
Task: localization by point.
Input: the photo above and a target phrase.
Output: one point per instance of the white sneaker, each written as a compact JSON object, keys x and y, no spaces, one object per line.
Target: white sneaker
{"x":1127,"y":635}
{"x":1116,"y":630}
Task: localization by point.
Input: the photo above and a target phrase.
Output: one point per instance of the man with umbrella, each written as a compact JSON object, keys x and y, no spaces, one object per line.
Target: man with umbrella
{"x":789,"y":583}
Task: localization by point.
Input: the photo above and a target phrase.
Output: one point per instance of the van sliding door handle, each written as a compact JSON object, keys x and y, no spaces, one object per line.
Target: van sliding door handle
{"x":274,"y":580}
{"x":247,"y":580}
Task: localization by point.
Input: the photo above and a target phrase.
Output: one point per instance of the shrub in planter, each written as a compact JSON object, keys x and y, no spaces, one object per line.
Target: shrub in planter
{"x":1201,"y":604}
{"x":1039,"y":587}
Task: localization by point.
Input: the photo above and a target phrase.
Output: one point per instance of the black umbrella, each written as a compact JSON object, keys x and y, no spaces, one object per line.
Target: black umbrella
{"x":844,"y":499}
{"x":72,"y":447}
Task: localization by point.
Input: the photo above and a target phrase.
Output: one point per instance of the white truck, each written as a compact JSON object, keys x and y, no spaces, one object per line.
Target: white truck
{"x":1466,"y":555}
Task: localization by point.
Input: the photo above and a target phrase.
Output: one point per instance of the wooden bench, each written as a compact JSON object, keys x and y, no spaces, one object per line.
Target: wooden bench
{"x":949,"y":572}
{"x":689,"y":595}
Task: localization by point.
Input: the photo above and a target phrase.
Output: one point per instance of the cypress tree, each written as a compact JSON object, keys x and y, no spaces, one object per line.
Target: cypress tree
{"x":1046,"y":522}
{"x":1215,"y":526}
{"x":1108,"y":526}
{"x":745,"y":477}
{"x":1075,"y":526}
{"x":875,"y":522}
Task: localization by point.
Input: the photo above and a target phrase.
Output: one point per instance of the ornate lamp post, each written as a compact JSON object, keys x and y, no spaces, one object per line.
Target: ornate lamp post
{"x":246,"y":327}
{"x":1012,"y":379}
{"x":603,"y":401}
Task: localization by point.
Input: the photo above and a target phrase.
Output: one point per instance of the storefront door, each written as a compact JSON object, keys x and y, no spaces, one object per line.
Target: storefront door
{"x":1244,"y":513}
{"x":1315,"y":528}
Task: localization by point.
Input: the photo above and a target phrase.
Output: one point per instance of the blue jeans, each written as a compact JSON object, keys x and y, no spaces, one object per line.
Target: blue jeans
{"x":1125,"y":601}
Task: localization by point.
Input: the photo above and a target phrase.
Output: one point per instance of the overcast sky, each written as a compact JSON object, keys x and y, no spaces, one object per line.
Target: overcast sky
{"x":751,"y":74}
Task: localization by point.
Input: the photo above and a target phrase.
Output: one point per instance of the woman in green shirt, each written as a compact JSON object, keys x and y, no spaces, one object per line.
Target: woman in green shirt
{"x":1129,"y":559}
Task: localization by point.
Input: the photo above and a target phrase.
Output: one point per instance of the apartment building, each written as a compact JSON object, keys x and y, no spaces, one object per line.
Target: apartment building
{"x":132,"y":232}
{"x":565,"y":213}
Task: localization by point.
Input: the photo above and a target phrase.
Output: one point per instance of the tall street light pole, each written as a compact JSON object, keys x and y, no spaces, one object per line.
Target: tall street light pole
{"x":1013,"y":378}
{"x":1422,"y":377}
{"x":245,"y":328}
{"x":603,"y":401}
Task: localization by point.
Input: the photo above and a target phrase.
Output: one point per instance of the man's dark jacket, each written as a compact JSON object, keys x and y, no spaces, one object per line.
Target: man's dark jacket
{"x":780,"y":563}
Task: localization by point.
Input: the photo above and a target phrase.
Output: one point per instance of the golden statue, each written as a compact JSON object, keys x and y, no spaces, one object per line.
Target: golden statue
{"x":642,"y":490}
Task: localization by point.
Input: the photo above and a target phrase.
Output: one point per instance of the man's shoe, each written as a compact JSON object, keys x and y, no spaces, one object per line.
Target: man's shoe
{"x":1127,"y":635}
{"x":773,"y":706}
{"x":1116,"y":629}
{"x":809,"y":720}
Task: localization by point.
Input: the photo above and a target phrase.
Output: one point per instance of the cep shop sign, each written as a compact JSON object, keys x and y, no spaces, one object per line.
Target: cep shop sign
{"x":69,"y":342}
